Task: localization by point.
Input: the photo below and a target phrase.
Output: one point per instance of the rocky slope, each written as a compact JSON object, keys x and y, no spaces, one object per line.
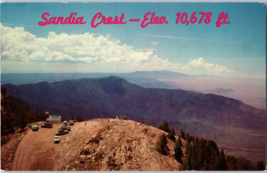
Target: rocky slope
{"x":123,"y":145}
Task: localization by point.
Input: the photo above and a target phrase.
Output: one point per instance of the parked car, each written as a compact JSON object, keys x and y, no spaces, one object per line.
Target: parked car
{"x":47,"y":125}
{"x":65,"y":123}
{"x":56,"y":139}
{"x":60,"y":129}
{"x":35,"y":128}
{"x":71,"y":122}
{"x":62,"y":132}
{"x":65,"y":127}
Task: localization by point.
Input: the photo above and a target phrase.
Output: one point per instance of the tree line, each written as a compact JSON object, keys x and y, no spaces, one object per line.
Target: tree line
{"x":202,"y":154}
{"x":15,"y":112}
{"x":77,"y":118}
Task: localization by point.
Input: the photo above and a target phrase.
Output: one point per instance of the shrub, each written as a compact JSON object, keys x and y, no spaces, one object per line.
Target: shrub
{"x":79,"y":118}
{"x":4,"y":139}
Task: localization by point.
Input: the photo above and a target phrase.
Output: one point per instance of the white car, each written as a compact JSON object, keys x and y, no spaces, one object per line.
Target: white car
{"x":35,"y":128}
{"x":71,"y":123}
{"x":65,"y":123}
{"x":57,"y":139}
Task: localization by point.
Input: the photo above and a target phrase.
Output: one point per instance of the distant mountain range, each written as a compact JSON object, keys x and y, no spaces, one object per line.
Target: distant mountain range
{"x":222,"y":91}
{"x":153,"y":74}
{"x":227,"y":121}
{"x":147,"y":79}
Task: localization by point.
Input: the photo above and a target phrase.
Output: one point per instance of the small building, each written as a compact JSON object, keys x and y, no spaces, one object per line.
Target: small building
{"x":54,"y":119}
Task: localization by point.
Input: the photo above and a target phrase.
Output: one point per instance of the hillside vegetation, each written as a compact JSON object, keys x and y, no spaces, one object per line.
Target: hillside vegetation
{"x":16,"y":113}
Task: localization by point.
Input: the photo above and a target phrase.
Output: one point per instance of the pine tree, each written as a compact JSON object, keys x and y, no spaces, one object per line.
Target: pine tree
{"x":164,"y":127}
{"x":223,"y":161}
{"x":182,"y":133}
{"x":178,"y":150}
{"x":171,"y":135}
{"x":220,"y":162}
{"x":79,"y":118}
{"x":260,"y":165}
{"x":161,"y":145}
{"x":187,"y":161}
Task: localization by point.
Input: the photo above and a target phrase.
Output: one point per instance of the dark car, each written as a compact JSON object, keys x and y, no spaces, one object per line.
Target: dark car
{"x":65,"y":127}
{"x":62,"y":132}
{"x":47,"y":125}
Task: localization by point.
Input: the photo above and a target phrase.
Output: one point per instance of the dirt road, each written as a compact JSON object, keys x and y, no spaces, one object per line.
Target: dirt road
{"x":36,"y":146}
{"x":37,"y":150}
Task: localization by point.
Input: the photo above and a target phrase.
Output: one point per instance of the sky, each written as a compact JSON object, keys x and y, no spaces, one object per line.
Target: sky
{"x":237,"y":49}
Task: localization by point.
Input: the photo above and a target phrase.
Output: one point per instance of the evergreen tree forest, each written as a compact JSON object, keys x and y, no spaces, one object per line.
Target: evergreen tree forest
{"x":202,"y":154}
{"x":15,"y":112}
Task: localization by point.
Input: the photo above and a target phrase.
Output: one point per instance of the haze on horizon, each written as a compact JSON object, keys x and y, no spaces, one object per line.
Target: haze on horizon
{"x":234,"y":50}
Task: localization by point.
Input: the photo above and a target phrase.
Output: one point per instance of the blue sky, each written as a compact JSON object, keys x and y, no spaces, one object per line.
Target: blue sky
{"x":235,"y":49}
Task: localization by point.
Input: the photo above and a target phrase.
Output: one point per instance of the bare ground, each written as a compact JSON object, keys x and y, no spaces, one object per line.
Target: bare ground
{"x":98,"y":145}
{"x":8,"y":150}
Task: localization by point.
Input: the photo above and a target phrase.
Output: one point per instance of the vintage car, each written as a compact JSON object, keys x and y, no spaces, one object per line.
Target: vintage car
{"x":60,"y":129}
{"x":62,"y":132}
{"x":71,"y":122}
{"x":35,"y":128}
{"x":56,"y":139}
{"x":65,"y":127}
{"x":65,"y":123}
{"x":47,"y":125}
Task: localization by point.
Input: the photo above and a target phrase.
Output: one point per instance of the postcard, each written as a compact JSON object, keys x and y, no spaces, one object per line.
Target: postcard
{"x":133,"y":86}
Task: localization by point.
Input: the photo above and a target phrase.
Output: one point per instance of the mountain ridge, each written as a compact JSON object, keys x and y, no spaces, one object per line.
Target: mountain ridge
{"x":205,"y":115}
{"x":118,"y":88}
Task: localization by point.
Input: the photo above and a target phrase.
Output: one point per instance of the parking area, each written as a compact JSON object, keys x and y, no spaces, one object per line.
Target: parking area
{"x":35,"y":149}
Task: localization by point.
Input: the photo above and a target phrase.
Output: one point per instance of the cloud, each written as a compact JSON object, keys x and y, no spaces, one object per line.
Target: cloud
{"x":193,"y":39}
{"x":201,"y":66}
{"x":154,"y":43}
{"x":85,"y":53}
{"x":145,"y":49}
{"x":20,"y":45}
